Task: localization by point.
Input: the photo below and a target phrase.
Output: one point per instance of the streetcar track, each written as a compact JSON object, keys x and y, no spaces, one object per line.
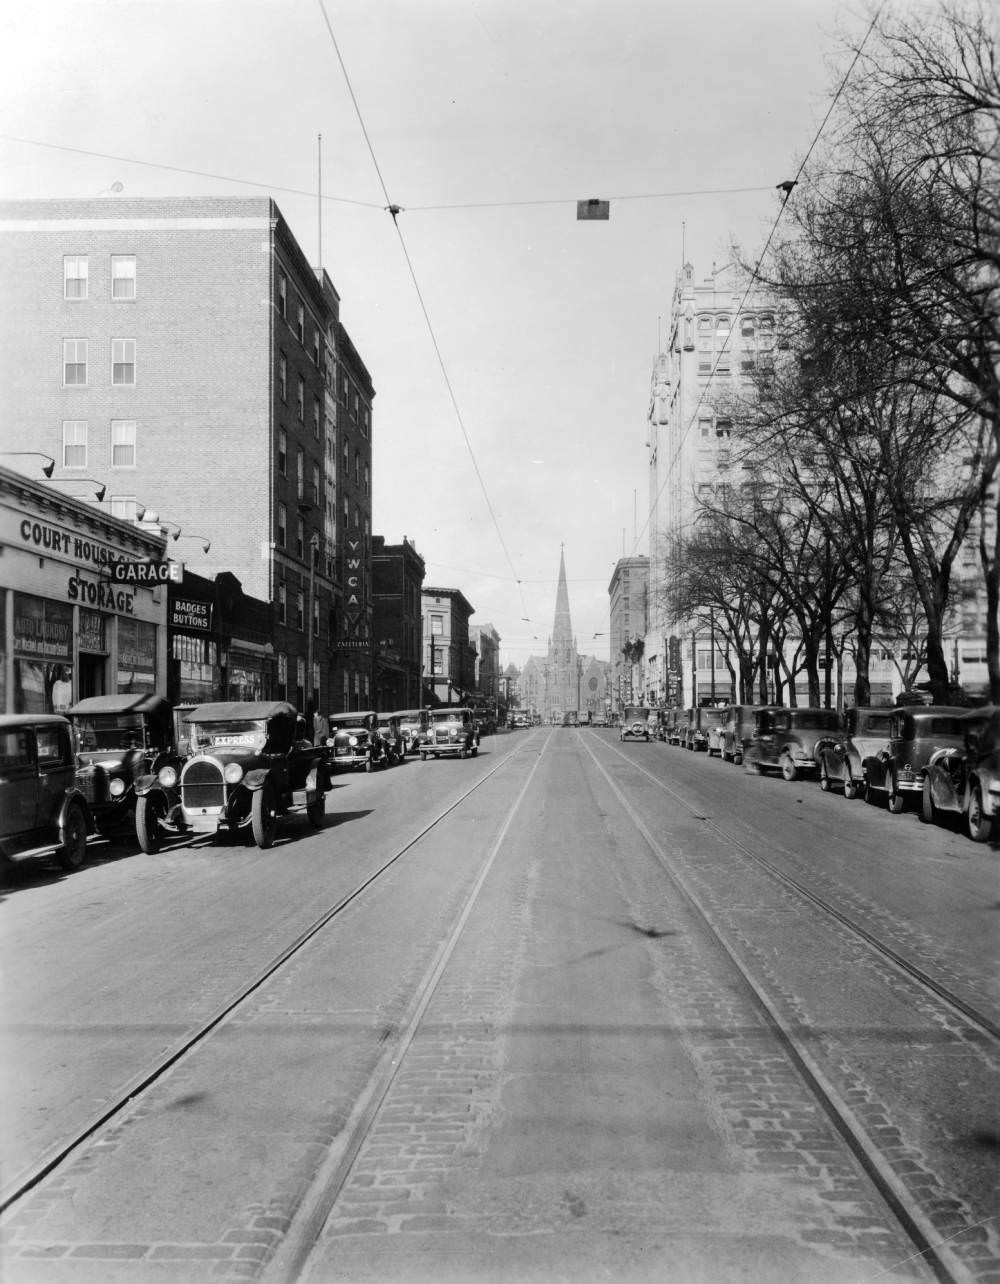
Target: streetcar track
{"x":291,"y":1256}
{"x":959,"y":1006}
{"x":58,"y":1153}
{"x":932,"y":1249}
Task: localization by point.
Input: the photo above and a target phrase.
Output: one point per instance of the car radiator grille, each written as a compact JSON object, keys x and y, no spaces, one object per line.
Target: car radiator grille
{"x":202,"y":786}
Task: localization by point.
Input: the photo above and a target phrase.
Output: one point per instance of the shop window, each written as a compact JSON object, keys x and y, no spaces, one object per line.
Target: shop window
{"x":75,"y":432}
{"x":123,"y":443}
{"x":123,"y":276}
{"x":74,"y":363}
{"x":123,"y":362}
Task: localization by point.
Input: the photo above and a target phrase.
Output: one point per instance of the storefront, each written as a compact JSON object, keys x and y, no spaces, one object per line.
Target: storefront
{"x":219,"y":642}
{"x":70,"y":627}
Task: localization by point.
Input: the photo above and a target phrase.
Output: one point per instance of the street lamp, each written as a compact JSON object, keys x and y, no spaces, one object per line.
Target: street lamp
{"x":99,"y":493}
{"x":47,"y":469}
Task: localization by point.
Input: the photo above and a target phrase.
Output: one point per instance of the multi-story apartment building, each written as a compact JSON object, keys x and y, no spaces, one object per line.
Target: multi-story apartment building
{"x":486,"y":641}
{"x":397,"y":578}
{"x":628,"y":594}
{"x":719,"y":332}
{"x":449,"y":658}
{"x":185,"y":354}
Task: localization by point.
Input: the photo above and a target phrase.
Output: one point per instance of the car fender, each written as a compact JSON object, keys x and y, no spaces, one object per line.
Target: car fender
{"x":874,"y":770}
{"x":145,"y":783}
{"x":74,"y":795}
{"x":256,"y":779}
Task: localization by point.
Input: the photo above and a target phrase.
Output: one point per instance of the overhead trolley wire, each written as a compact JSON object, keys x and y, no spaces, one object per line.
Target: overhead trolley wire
{"x":395,"y":210}
{"x":787,"y":187}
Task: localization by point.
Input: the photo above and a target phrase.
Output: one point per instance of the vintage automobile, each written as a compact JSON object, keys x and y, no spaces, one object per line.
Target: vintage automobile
{"x":951,"y":775}
{"x":736,"y":731}
{"x":599,"y":720}
{"x":982,"y":794}
{"x":453,"y":730}
{"x":121,"y":739}
{"x":485,"y":721}
{"x":251,"y":762}
{"x":354,"y":741}
{"x":865,"y":733}
{"x":42,"y":810}
{"x":790,"y":740}
{"x":916,"y":733}
{"x":701,"y":724}
{"x":414,"y":724}
{"x":635,"y":723}
{"x":391,"y":734}
{"x":676,"y":725}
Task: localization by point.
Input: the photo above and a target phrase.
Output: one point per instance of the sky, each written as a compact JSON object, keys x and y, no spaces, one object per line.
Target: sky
{"x":511,"y":346}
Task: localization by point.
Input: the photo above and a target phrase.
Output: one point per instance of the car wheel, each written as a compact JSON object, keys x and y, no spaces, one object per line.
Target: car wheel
{"x":980,"y":826}
{"x":789,"y":771}
{"x":896,"y":801}
{"x":928,"y":812}
{"x":72,"y":852}
{"x":850,"y":786}
{"x":148,"y":828}
{"x":824,"y":781}
{"x":368,"y":763}
{"x":752,"y":767}
{"x":263,"y":817}
{"x":423,"y":757}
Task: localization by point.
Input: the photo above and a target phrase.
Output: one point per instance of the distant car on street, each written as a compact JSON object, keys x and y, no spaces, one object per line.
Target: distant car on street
{"x":453,"y":732}
{"x":635,"y":723}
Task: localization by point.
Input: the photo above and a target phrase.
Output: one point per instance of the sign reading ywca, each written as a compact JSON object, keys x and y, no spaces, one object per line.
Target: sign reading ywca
{"x":146,"y":571}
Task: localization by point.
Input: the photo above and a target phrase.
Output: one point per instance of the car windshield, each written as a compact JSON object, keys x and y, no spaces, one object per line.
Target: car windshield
{"x":712,"y":717}
{"x":247,"y":735}
{"x":446,"y":717}
{"x":824,"y":719}
{"x":109,"y":731}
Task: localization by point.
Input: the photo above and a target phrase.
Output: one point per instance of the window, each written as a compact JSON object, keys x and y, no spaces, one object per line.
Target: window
{"x":282,"y":294}
{"x":343,"y":386}
{"x":282,"y":452}
{"x":317,"y":418}
{"x":123,"y":361}
{"x":283,"y":377}
{"x":300,"y":610}
{"x":366,"y":423}
{"x":300,"y":323}
{"x":437,"y":625}
{"x":300,"y":682}
{"x":705,"y":325}
{"x":347,"y":512}
{"x":74,"y":443}
{"x":75,"y":269}
{"x":282,"y":525}
{"x":74,"y":363}
{"x":748,"y":327}
{"x":123,"y":276}
{"x":357,"y":469}
{"x":366,"y":483}
{"x":723,"y":427}
{"x":300,"y":476}
{"x":316,"y":619}
{"x":315,"y":483}
{"x":722,"y":327}
{"x":300,"y":399}
{"x":300,"y":538}
{"x":124,"y":506}
{"x":355,"y":404}
{"x":316,"y":347}
{"x":122,"y":443}
{"x":282,"y":676}
{"x":347,"y":458}
{"x":282,"y":604}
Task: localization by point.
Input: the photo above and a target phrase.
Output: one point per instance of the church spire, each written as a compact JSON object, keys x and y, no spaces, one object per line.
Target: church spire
{"x":562,"y":628}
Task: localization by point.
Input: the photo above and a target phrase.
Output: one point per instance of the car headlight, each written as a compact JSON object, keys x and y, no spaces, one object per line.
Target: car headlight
{"x":233,"y":773}
{"x":352,"y":741}
{"x":116,"y":787}
{"x":167,"y":777}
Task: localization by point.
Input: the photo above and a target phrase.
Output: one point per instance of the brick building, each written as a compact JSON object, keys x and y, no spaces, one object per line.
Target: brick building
{"x":184,"y":353}
{"x":397,"y":578}
{"x":449,"y":658}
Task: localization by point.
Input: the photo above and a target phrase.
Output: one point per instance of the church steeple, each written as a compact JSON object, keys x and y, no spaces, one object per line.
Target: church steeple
{"x":562,"y":628}
{"x":562,"y":676}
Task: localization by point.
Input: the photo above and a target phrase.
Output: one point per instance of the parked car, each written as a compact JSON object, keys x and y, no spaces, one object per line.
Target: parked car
{"x":702,"y":722}
{"x":635,"y":723}
{"x":790,"y":740}
{"x":949,"y":775}
{"x":414,"y":724}
{"x":676,"y":726}
{"x":42,"y":810}
{"x":916,"y":733}
{"x":599,"y":720}
{"x":736,"y":731}
{"x":453,"y":730}
{"x":391,"y":733}
{"x":982,"y":795}
{"x":354,"y":741}
{"x":485,"y":721}
{"x":251,"y":762}
{"x":866,"y":733}
{"x":121,"y":739}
